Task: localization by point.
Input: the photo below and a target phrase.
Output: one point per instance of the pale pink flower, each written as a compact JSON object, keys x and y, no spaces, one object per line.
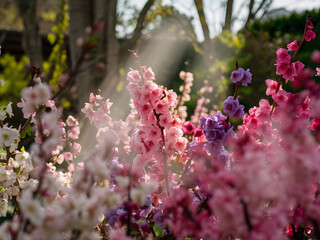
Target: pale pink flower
{"x":71,"y":121}
{"x":74,"y":133}
{"x":147,"y":73}
{"x":51,"y":104}
{"x":134,"y":77}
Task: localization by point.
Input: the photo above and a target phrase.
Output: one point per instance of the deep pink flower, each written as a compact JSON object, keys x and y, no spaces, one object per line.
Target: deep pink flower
{"x":198,"y":132}
{"x":315,"y":124}
{"x":309,"y":35}
{"x":282,"y":67}
{"x":283,"y":56}
{"x":293,"y":46}
{"x":188,"y":127}
{"x":289,"y":73}
{"x":298,"y":67}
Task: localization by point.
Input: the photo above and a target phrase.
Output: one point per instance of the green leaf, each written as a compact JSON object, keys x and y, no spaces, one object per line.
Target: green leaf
{"x":26,"y":131}
{"x":157,"y":230}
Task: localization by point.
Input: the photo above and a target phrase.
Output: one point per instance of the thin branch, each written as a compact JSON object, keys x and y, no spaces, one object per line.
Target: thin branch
{"x":140,"y":25}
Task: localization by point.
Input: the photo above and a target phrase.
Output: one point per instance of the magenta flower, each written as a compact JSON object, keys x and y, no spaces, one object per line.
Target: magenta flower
{"x":198,"y":132}
{"x":188,"y":127}
{"x":309,"y":35}
{"x":293,"y":46}
{"x":283,"y":55}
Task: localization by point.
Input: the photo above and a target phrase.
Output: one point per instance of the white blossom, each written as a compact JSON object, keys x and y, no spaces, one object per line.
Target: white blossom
{"x":8,"y":136}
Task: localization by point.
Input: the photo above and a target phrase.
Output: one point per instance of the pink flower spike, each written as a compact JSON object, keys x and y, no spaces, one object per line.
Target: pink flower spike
{"x":318,"y":72}
{"x":309,"y":35}
{"x":293,"y":46}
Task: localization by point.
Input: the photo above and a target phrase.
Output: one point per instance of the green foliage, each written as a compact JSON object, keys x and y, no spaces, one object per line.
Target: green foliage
{"x":15,"y":76}
{"x":157,"y":230}
{"x":10,"y":18}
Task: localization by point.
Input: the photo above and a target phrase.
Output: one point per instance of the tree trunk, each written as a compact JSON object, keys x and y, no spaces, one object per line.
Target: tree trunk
{"x":81,"y":16}
{"x":31,"y":39}
{"x":206,"y":33}
{"x":228,"y":17}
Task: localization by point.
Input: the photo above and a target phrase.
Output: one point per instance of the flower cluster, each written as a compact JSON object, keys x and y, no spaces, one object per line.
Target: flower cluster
{"x":156,"y":176}
{"x":286,"y":67}
{"x":185,"y":90}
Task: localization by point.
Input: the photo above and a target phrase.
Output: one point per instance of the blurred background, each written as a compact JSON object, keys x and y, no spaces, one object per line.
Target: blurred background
{"x":204,"y":37}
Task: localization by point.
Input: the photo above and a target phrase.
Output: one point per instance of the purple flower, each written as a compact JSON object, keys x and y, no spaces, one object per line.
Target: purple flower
{"x":224,"y":158}
{"x":215,"y":127}
{"x":159,"y":217}
{"x":233,"y":108}
{"x":113,"y":215}
{"x":215,"y":134}
{"x":237,"y":75}
{"x":202,"y":122}
{"x":242,"y":76}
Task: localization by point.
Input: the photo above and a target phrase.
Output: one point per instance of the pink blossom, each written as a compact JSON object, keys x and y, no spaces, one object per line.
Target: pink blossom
{"x":68,"y":156}
{"x":309,"y":35}
{"x":134,"y":77}
{"x":272,"y":87}
{"x":74,"y":133}
{"x":77,"y":147}
{"x":315,"y":56}
{"x":298,"y":67}
{"x":51,"y":104}
{"x":283,"y":56}
{"x":147,"y":73}
{"x":293,"y":46}
{"x":71,"y":121}
{"x":188,"y":127}
{"x":282,"y":67}
{"x":288,"y":74}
